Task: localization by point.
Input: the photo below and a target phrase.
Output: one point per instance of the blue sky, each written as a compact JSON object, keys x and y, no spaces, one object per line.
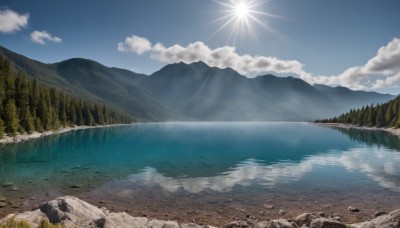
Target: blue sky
{"x":321,"y":41}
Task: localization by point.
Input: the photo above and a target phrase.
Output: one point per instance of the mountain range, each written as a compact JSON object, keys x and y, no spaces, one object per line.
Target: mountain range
{"x":195,"y":92}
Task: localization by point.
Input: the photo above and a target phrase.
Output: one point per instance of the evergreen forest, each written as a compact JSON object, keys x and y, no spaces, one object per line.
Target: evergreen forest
{"x":380,"y":115}
{"x":27,"y":106}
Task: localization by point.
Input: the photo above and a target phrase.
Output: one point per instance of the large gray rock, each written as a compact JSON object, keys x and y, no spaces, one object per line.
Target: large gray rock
{"x":305,"y":219}
{"x":391,"y":220}
{"x":71,"y":211}
{"x":123,"y":220}
{"x":278,"y":223}
{"x":326,"y":223}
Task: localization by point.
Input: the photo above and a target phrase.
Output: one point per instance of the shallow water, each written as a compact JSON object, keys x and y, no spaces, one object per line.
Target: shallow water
{"x":208,"y":172}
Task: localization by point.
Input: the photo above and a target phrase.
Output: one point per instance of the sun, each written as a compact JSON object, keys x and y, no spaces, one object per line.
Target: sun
{"x":242,"y":10}
{"x":242,"y":16}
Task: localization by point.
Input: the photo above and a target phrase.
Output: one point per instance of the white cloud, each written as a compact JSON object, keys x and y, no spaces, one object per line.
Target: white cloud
{"x":135,"y":44}
{"x":381,"y":71}
{"x":222,"y":57}
{"x":41,"y":37}
{"x":11,"y":21}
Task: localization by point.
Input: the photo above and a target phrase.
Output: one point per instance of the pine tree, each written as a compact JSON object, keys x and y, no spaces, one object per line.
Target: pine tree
{"x":380,"y":120}
{"x":389,"y":115}
{"x":1,"y":128}
{"x":371,"y":116}
{"x":87,"y":115}
{"x":9,"y":85}
{"x":105,"y":114}
{"x":72,"y":113}
{"x":397,"y":125}
{"x":79,"y":117}
{"x":34,"y":98}
{"x":10,"y":117}
{"x":98,"y":115}
{"x":62,"y":111}
{"x":27,"y":121}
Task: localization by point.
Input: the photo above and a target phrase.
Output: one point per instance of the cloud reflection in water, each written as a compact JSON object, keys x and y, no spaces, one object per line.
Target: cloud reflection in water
{"x":378,"y":163}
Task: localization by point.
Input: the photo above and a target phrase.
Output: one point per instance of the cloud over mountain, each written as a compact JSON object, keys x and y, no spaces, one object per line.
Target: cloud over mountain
{"x":381,"y":71}
{"x":11,"y":21}
{"x":41,"y":37}
{"x":135,"y":44}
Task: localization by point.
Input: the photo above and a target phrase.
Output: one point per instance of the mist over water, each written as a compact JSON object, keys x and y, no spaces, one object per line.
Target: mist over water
{"x":179,"y":161}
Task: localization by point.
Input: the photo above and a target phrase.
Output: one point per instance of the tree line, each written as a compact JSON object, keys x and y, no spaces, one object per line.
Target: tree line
{"x":27,"y":106}
{"x":380,"y":115}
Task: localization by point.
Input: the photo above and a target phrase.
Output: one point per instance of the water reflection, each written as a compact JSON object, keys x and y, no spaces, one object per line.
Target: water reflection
{"x":381,"y":165}
{"x":371,"y":137}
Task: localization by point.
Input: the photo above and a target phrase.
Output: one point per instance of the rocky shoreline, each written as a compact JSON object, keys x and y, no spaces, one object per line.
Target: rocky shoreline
{"x":25,"y":137}
{"x":73,"y":212}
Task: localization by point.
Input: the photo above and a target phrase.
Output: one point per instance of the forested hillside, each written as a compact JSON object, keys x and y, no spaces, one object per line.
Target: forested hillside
{"x":380,"y":115}
{"x":26,"y":106}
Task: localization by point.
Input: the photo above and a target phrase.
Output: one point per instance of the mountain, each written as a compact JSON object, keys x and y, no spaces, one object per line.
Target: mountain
{"x":195,"y":91}
{"x":91,"y":80}
{"x":209,"y":93}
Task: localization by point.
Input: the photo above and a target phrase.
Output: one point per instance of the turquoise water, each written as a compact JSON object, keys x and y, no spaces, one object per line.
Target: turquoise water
{"x":233,"y":165}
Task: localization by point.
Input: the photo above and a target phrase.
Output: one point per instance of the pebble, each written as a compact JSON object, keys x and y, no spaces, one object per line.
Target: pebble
{"x":103,"y":201}
{"x":3,"y":199}
{"x":321,"y":214}
{"x":75,"y":186}
{"x":353,"y":209}
{"x":282,"y":212}
{"x":268,"y":206}
{"x":379,"y":213}
{"x":5,"y":185}
{"x":2,"y":204}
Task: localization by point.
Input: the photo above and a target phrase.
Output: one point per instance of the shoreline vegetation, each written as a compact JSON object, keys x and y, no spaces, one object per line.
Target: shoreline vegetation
{"x":8,"y":139}
{"x":392,"y":130}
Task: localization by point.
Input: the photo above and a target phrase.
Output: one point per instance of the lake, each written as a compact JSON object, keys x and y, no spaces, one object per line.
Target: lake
{"x":208,"y":172}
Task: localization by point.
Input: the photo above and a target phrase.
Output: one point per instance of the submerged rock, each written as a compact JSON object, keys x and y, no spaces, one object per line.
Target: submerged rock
{"x":5,"y":185}
{"x":75,"y":186}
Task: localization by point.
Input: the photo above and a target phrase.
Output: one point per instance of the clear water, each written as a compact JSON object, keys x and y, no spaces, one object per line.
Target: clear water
{"x":207,"y":169}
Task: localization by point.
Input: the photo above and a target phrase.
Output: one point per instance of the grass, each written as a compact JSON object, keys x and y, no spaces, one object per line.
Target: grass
{"x":47,"y":224}
{"x":13,"y":223}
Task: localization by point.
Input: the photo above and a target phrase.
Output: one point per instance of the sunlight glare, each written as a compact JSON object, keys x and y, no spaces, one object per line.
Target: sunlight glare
{"x":242,"y":15}
{"x":242,"y":10}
